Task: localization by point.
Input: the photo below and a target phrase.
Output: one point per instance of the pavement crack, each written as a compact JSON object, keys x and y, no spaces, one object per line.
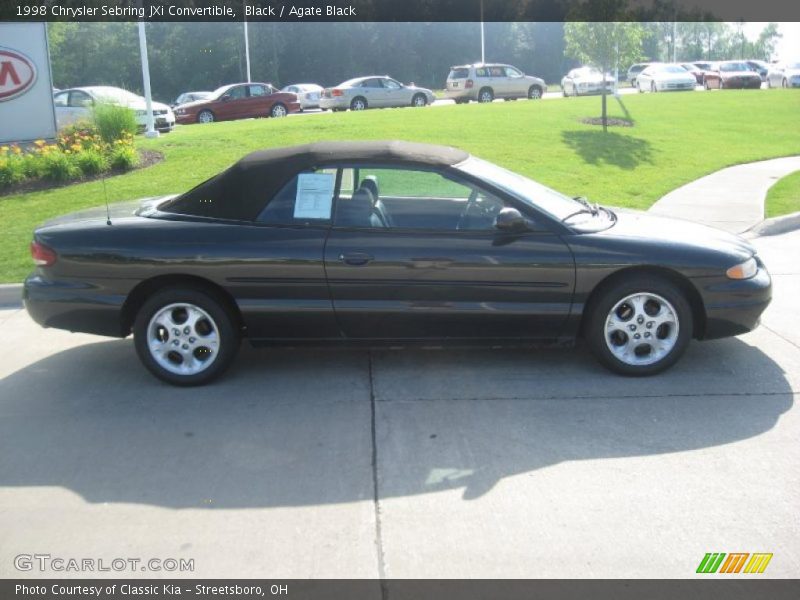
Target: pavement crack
{"x":376,"y":501}
{"x":785,"y":339}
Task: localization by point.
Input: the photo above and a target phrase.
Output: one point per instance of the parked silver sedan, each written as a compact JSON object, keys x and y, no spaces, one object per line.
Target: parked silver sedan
{"x":374,"y":92}
{"x":308,"y":94}
{"x":662,"y":78}
{"x":586,"y":80}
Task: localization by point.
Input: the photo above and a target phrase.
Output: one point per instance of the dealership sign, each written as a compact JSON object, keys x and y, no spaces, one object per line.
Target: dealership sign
{"x":17,"y":74}
{"x":26,"y":90}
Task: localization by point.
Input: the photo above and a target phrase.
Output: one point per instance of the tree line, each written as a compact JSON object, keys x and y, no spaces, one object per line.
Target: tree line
{"x":203,"y":56}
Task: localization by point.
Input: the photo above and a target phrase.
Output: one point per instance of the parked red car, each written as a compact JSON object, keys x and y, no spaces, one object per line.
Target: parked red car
{"x":694,"y":70}
{"x":238,"y":101}
{"x":731,"y":74}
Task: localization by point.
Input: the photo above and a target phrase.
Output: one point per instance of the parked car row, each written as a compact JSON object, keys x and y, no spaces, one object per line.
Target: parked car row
{"x":718,"y":75}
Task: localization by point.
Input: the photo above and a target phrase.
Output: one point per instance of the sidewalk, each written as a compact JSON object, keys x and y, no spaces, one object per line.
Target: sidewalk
{"x":731,"y":199}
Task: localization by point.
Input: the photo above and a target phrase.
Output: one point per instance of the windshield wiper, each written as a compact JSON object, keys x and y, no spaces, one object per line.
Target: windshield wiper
{"x":592,"y":209}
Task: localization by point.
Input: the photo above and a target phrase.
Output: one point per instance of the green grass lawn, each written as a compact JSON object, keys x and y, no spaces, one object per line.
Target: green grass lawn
{"x":784,"y":197}
{"x":677,"y":138}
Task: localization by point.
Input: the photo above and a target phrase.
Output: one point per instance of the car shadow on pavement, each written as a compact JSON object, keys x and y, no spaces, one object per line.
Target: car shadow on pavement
{"x":609,"y":148}
{"x":294,"y":427}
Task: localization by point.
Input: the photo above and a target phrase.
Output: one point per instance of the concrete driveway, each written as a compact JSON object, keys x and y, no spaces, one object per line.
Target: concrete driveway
{"x":326,"y":463}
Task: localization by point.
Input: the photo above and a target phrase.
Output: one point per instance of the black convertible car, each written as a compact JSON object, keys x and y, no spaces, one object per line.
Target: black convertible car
{"x":387,"y":242}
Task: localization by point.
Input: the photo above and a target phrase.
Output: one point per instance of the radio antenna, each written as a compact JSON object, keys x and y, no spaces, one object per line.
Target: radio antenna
{"x":105,"y":194}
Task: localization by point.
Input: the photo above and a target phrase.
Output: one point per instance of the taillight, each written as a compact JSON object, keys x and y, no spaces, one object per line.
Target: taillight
{"x":42,"y":255}
{"x":469,"y":83}
{"x":337,"y":92}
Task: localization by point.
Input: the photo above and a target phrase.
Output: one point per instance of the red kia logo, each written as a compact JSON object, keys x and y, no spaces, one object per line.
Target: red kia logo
{"x":17,"y":74}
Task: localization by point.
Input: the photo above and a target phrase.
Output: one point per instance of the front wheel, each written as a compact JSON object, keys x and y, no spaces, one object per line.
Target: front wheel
{"x":278,"y":111}
{"x":640,"y":326}
{"x":185,"y":336}
{"x":535,"y":92}
{"x":205,"y":116}
{"x":419,"y":100}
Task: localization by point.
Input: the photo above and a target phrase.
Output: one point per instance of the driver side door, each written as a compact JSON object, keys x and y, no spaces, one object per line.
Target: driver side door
{"x":434,"y":266}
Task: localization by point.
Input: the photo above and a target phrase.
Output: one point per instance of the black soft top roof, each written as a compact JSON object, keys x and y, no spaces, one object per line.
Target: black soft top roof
{"x":241,"y":191}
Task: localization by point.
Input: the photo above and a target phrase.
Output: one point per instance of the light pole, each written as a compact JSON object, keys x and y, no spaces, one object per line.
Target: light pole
{"x":150,"y":130}
{"x":483,"y":45}
{"x":247,"y":50}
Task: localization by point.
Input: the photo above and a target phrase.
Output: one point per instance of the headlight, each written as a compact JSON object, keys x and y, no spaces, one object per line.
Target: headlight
{"x":744,"y":270}
{"x":180,"y":111}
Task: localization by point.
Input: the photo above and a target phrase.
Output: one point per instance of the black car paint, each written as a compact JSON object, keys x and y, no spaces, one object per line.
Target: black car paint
{"x":320,"y":284}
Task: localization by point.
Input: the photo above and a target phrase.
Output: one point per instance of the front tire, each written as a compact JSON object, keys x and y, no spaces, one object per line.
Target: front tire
{"x":535,"y":92}
{"x":205,"y":116}
{"x":419,"y":100}
{"x":186,"y":336}
{"x":639,"y":326}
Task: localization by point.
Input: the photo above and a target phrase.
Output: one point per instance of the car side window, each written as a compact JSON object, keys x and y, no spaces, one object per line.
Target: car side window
{"x":512,"y":72}
{"x":373,"y":83}
{"x":497,"y":72}
{"x":78,"y":99}
{"x":482,"y":72}
{"x":61,"y":99}
{"x":386,"y":198}
{"x":237,"y":93}
{"x":305,"y":199}
{"x":257,"y":90}
{"x":391,"y":84}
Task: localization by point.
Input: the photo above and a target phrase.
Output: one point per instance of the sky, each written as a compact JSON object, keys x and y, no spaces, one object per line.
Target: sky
{"x":788,"y":48}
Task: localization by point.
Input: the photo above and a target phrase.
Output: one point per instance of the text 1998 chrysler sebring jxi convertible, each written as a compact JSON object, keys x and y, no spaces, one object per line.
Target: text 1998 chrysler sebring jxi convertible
{"x":387,"y":242}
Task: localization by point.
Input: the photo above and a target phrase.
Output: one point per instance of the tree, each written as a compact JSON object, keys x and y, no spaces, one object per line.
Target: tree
{"x":601,"y":44}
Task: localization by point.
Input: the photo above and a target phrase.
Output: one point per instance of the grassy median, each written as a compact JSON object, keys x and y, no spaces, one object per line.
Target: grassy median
{"x":784,"y":197}
{"x":676,"y":138}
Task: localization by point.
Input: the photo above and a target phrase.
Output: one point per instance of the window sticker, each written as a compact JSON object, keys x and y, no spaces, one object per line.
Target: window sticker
{"x":314,"y":195}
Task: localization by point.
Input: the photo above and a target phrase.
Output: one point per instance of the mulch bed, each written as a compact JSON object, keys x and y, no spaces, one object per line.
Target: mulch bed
{"x":611,"y":122}
{"x":147,"y":158}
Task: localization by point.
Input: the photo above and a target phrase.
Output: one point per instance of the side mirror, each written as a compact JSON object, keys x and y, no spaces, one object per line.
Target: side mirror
{"x":510,"y":220}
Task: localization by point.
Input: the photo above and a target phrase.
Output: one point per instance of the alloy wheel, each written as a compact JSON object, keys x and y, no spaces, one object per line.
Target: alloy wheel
{"x":279,"y":110}
{"x":641,"y":329}
{"x":183,"y":339}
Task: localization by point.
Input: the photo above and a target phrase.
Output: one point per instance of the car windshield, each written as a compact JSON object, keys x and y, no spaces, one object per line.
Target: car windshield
{"x":672,"y":69}
{"x":552,"y":202}
{"x":116,"y":95}
{"x":737,"y":66}
{"x":587,"y":72}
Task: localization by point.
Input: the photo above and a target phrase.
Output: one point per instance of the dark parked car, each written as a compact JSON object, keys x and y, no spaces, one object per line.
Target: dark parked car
{"x":238,"y":101}
{"x":731,"y":74}
{"x":387,"y":242}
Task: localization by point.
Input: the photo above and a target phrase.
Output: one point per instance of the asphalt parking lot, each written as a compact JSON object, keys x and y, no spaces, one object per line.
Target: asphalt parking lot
{"x":408,"y":463}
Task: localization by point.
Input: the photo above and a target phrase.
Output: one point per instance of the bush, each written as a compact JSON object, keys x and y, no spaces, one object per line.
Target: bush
{"x":12,"y":169}
{"x":123,"y":157}
{"x":34,"y":165}
{"x":91,"y":162}
{"x":114,"y":122}
{"x":60,"y":166}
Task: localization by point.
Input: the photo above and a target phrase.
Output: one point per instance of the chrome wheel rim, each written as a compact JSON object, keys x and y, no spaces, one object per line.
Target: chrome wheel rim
{"x":206,"y":117}
{"x":419,"y":101}
{"x":642,"y":329}
{"x":279,"y":111}
{"x":183,"y":339}
{"x":535,"y":94}
{"x":358,"y":105}
{"x":486,"y":97}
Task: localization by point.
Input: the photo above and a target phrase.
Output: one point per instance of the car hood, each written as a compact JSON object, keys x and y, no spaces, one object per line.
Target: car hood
{"x":117,"y":210}
{"x":195,"y":103}
{"x":646,"y":226}
{"x":675,"y":76}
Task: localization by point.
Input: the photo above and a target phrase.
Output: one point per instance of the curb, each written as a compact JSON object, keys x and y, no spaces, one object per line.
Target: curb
{"x":11,"y":295}
{"x":776,"y":225}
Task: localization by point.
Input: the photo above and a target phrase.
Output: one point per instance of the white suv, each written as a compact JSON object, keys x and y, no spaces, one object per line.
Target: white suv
{"x":485,"y":82}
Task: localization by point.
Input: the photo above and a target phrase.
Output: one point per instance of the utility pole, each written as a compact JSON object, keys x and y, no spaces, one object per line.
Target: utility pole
{"x":247,"y":50}
{"x":483,"y":45}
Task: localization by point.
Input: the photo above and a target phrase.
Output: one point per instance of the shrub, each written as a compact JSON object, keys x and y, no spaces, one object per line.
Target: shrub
{"x":60,"y":166}
{"x":123,"y":157}
{"x":12,"y":168}
{"x":91,"y":162}
{"x":114,"y":122}
{"x":34,"y":165}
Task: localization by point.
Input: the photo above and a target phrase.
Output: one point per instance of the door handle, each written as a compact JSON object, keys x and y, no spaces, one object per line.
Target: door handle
{"x":356,"y":259}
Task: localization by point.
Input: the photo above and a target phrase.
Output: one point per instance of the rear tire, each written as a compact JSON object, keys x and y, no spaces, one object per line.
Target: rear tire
{"x":639,"y":326}
{"x":358,"y":103}
{"x":486,"y":95}
{"x":186,"y":336}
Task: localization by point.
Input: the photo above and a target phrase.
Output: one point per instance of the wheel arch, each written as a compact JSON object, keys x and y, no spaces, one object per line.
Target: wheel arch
{"x":681,"y":281}
{"x":143,"y":290}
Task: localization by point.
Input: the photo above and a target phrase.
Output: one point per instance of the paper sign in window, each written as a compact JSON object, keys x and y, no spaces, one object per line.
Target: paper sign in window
{"x":314,"y":196}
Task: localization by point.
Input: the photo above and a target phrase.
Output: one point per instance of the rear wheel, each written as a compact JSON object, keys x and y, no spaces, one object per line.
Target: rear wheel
{"x":358,"y":104}
{"x":185,"y":336}
{"x":205,"y":116}
{"x":486,"y":95}
{"x":279,"y":110}
{"x":640,"y":326}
